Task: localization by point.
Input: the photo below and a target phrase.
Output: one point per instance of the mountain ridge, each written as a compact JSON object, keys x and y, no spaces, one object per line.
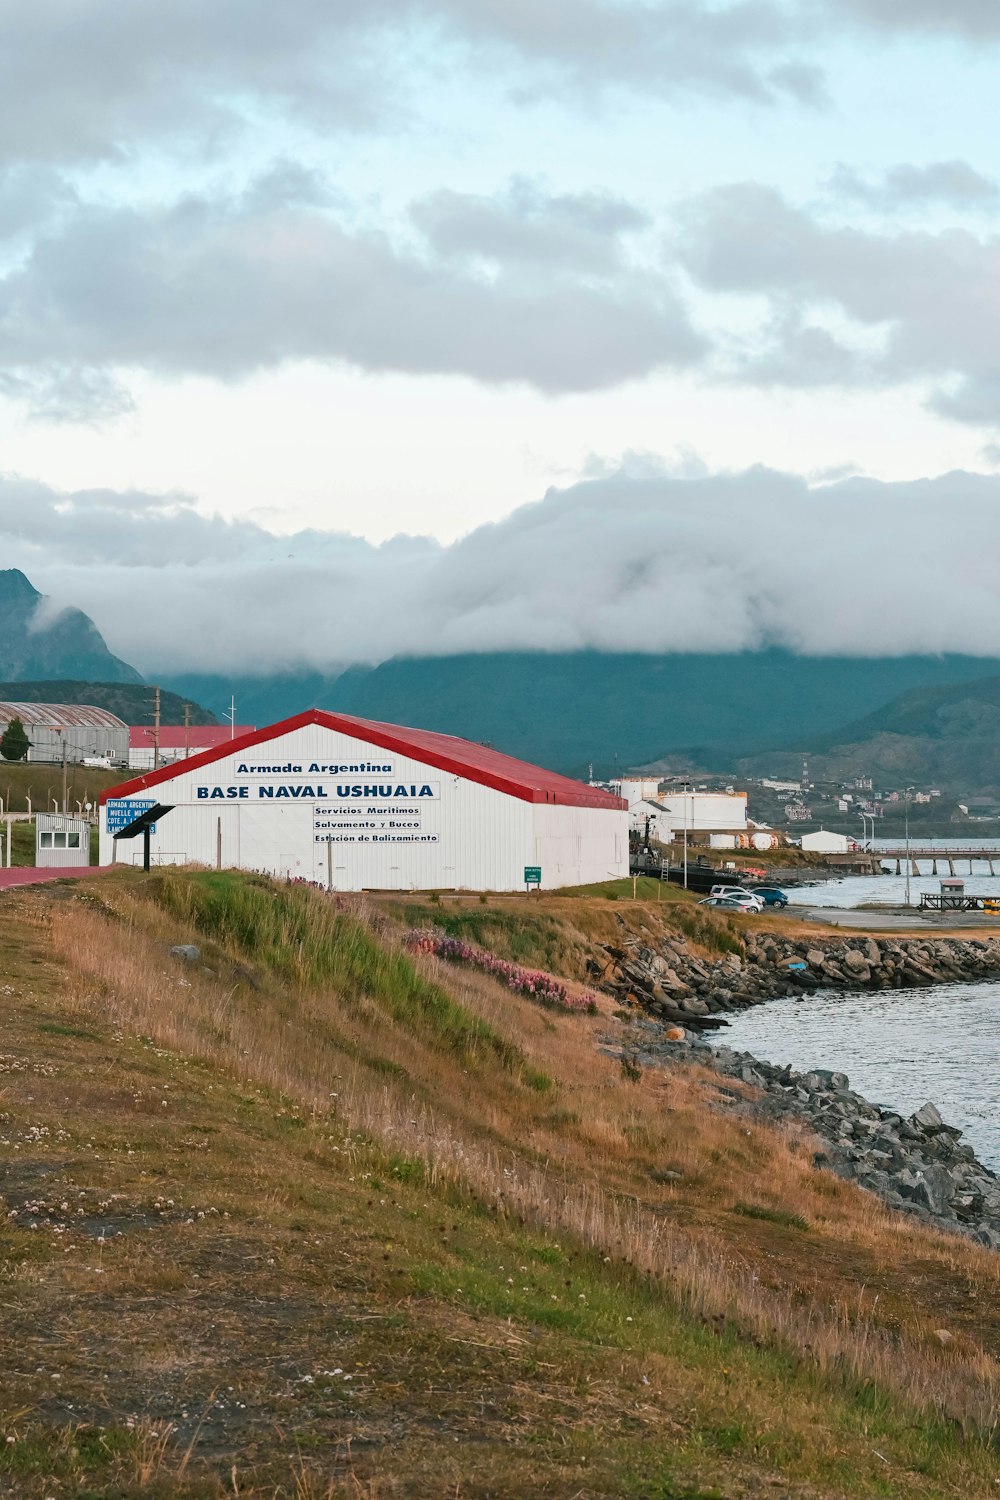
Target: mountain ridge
{"x":614,"y":711}
{"x":69,"y":647}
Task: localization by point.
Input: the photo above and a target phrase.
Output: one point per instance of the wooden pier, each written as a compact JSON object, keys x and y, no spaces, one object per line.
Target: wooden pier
{"x":949,"y":857}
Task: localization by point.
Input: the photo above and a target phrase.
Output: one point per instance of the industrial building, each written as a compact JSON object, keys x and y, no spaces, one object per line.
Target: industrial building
{"x":669,"y":814}
{"x":79,"y":730}
{"x":176,"y":742}
{"x":353,"y":804}
{"x":825,"y":842}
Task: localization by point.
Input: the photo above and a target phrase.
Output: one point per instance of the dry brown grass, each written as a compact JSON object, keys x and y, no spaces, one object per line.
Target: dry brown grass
{"x":856,"y":1295}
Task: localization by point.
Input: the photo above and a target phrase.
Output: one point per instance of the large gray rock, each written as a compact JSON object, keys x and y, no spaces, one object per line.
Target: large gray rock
{"x":822,"y":1078}
{"x":927,"y":1118}
{"x":930,"y":1188}
{"x":187,"y":951}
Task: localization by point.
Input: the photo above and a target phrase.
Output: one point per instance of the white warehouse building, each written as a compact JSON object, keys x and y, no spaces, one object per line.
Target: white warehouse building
{"x":357,"y":805}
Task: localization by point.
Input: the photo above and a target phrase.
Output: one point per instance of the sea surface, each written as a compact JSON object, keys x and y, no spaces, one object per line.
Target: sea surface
{"x":899,"y":1048}
{"x":890,"y":889}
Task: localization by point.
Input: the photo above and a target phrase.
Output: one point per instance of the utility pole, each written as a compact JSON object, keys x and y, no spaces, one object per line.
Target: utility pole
{"x":687,"y":799}
{"x":187,"y":730}
{"x":231,"y":716}
{"x":906,"y":825}
{"x":156,"y":729}
{"x":65,"y":790}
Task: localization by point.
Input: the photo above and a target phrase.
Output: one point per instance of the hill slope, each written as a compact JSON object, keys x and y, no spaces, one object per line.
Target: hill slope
{"x":68,"y":645}
{"x":314,"y":1219}
{"x":946,"y":735}
{"x":569,"y":710}
{"x":132,"y":702}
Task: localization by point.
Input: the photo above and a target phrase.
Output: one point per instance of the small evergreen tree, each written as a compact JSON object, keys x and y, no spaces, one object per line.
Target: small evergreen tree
{"x":14,"y":743}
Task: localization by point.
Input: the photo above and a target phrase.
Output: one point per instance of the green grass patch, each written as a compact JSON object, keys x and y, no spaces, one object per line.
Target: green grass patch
{"x":645,"y":888}
{"x":302,"y":938}
{"x":770,"y":1215}
{"x":512,"y":931}
{"x":54,"y":1028}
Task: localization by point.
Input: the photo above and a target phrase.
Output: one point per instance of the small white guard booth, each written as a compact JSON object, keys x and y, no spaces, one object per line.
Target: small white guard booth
{"x":357,"y":805}
{"x":61,"y":840}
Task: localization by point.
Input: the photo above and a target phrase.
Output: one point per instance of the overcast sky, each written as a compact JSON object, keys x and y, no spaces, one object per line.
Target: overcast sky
{"x":316,"y":301}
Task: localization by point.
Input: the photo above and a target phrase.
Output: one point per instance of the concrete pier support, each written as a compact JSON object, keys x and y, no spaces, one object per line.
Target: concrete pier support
{"x":899,"y":869}
{"x":951,"y":867}
{"x":933,"y":866}
{"x":914,"y":867}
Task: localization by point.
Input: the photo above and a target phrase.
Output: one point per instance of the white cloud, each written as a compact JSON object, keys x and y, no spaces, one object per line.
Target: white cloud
{"x":652,"y":563}
{"x":908,"y":185}
{"x":910,"y":305}
{"x":228,"y":286}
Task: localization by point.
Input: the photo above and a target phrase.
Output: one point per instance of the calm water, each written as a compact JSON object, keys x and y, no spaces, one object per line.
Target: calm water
{"x":898,"y":1048}
{"x":890,"y":890}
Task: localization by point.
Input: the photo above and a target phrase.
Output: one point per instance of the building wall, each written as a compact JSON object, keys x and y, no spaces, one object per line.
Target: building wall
{"x":81,"y":740}
{"x":141,"y":758}
{"x":824,"y":842}
{"x":299,"y":820}
{"x":717,"y":811}
{"x":637,"y":789}
{"x":579,"y":845}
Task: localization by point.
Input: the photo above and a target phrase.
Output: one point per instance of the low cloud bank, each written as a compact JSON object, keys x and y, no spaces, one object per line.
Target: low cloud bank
{"x":657,"y":562}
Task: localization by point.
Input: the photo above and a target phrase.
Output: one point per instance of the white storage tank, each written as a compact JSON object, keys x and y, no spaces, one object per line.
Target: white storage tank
{"x":722,"y":841}
{"x":824,"y":842}
{"x":357,"y":805}
{"x":701,"y":812}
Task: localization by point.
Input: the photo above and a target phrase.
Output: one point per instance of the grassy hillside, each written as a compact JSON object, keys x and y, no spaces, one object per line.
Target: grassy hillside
{"x":946,"y":735}
{"x":41,"y":783}
{"x":615,"y":710}
{"x":130,"y":701}
{"x":312,"y":1218}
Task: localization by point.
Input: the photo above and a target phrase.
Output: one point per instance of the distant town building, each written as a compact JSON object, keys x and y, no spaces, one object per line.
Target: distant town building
{"x":798,"y":812}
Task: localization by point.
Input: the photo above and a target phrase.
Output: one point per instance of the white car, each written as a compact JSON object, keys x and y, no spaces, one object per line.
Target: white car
{"x":757,"y":902}
{"x":735,"y":901}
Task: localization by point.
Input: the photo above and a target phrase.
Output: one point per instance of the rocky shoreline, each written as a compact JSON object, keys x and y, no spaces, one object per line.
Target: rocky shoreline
{"x":670,"y":981}
{"x":917,"y":1166}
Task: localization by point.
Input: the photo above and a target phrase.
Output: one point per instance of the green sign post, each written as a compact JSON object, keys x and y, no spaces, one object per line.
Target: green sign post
{"x":533,"y":875}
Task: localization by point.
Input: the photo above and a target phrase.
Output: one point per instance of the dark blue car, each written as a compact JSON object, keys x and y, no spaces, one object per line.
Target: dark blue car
{"x":770,"y":895}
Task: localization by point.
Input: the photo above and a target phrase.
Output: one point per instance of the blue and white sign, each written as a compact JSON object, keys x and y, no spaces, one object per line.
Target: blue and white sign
{"x":122,"y":811}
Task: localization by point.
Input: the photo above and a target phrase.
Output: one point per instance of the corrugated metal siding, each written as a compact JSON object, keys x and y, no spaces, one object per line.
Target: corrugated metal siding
{"x":62,"y":715}
{"x":483,"y":838}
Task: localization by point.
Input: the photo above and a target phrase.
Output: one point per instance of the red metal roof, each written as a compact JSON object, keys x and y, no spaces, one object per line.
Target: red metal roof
{"x":517,"y":778}
{"x":176,"y":737}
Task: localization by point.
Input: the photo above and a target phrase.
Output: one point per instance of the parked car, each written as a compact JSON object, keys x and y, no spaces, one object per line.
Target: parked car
{"x":771,"y":895}
{"x":735,"y":901}
{"x":738,"y":890}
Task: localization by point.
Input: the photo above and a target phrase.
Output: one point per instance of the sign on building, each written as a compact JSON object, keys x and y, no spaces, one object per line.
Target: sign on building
{"x":124,"y":810}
